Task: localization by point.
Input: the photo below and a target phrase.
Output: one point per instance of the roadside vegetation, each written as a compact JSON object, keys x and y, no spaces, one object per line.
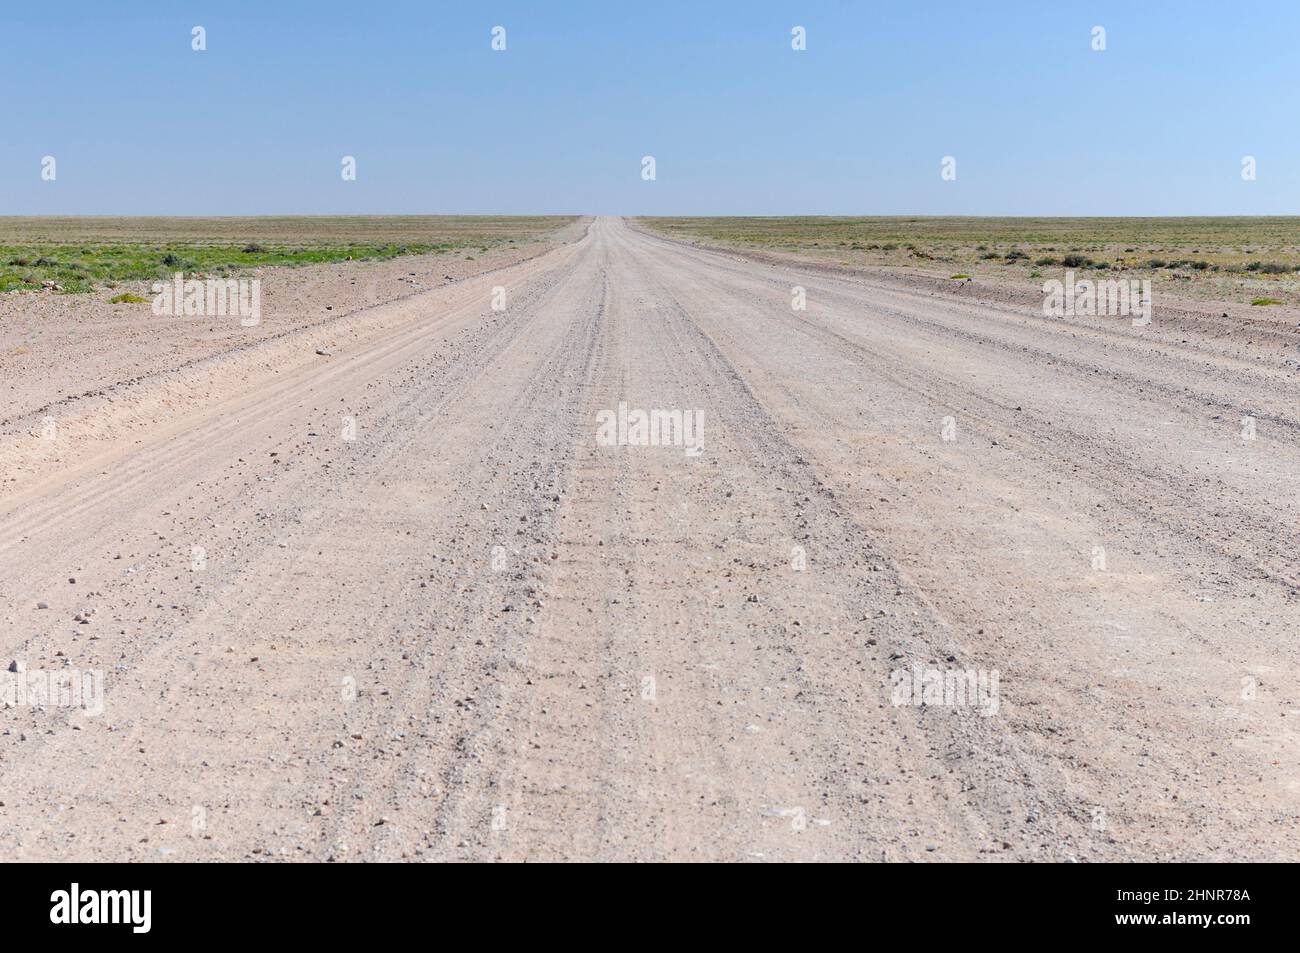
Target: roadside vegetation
{"x":1230,"y":258}
{"x":80,"y":254}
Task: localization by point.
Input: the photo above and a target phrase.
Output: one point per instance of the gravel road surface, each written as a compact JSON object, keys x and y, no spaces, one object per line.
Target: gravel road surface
{"x":393,"y":587}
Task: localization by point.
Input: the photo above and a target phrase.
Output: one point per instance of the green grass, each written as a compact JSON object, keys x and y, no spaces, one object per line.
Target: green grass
{"x":1261,"y":302}
{"x":1182,"y":239}
{"x":127,"y":298}
{"x":1220,"y":258}
{"x":80,"y":254}
{"x":79,"y":269}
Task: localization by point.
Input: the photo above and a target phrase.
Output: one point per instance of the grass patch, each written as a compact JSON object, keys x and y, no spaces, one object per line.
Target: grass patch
{"x":127,"y":298}
{"x":79,"y":254}
{"x":1202,"y":251}
{"x":1263,"y":302}
{"x":83,"y":268}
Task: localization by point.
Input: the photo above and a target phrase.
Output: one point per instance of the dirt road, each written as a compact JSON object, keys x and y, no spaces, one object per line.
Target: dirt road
{"x":402,"y":601}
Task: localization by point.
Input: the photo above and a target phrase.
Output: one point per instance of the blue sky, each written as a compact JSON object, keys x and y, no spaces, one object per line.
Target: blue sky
{"x":738,"y":123}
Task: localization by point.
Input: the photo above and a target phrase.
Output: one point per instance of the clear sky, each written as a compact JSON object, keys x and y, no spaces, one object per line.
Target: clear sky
{"x":739,"y":123}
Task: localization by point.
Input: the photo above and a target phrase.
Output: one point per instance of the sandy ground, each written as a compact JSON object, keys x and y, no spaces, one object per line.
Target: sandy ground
{"x":54,"y":347}
{"x":476,"y":632}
